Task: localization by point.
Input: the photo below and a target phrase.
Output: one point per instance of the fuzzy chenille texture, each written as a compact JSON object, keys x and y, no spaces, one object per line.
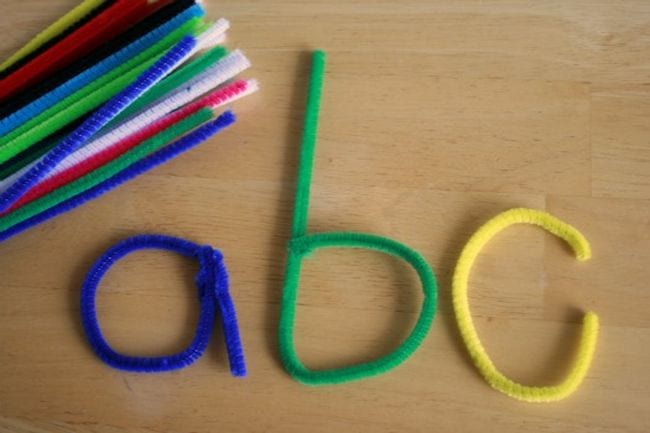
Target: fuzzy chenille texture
{"x":303,"y":244}
{"x":477,"y":352}
{"x":115,"y":19}
{"x":61,"y":28}
{"x":115,"y":65}
{"x":213,"y":294}
{"x":88,"y":190}
{"x":143,"y":35}
{"x":98,"y":120}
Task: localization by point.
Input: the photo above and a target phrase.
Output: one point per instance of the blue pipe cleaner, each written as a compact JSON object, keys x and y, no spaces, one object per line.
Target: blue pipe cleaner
{"x":212,"y":282}
{"x":155,"y":159}
{"x":46,"y":101}
{"x":98,"y":120}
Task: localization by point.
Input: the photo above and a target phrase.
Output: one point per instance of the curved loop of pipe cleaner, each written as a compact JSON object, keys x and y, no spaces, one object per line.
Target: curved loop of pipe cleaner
{"x":303,"y":244}
{"x":212,"y":284}
{"x":468,"y":332}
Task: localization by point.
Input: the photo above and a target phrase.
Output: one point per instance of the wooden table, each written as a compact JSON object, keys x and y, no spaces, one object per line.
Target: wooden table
{"x":437,"y":115}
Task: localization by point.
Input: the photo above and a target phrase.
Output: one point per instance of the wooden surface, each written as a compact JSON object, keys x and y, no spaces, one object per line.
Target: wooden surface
{"x":437,"y":115}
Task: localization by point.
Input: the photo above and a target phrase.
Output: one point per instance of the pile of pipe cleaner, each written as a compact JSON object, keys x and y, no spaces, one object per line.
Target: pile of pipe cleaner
{"x":109,"y":91}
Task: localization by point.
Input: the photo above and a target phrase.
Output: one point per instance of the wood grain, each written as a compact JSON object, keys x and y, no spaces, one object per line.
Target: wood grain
{"x":437,"y":115}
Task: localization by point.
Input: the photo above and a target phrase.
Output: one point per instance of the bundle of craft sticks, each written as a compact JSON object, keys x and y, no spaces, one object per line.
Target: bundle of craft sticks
{"x":107,"y":92}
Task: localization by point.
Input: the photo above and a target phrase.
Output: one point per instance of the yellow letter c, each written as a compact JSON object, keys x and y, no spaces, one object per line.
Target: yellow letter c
{"x":468,"y":332}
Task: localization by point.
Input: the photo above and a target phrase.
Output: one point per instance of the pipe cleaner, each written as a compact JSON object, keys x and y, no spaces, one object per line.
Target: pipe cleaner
{"x":56,"y":39}
{"x":225,"y":69}
{"x":116,"y":79}
{"x":93,"y":155}
{"x":87,"y":99}
{"x":212,"y":284}
{"x":115,"y":19}
{"x":59,"y":118}
{"x":181,"y":93}
{"x":37,"y":150}
{"x":68,"y":110}
{"x":160,"y":157}
{"x":303,"y":244}
{"x":108,"y":170}
{"x":213,"y":58}
{"x":25,"y":120}
{"x":213,"y":76}
{"x":57,"y":78}
{"x":213,"y":67}
{"x":479,"y":356}
{"x":97,"y":120}
{"x":104,"y":139}
{"x":89,"y":158}
{"x":59,"y":26}
{"x":161,"y":38}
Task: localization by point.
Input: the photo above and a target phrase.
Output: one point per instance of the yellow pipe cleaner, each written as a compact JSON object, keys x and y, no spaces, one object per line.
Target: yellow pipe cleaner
{"x":58,"y":27}
{"x":468,"y":332}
